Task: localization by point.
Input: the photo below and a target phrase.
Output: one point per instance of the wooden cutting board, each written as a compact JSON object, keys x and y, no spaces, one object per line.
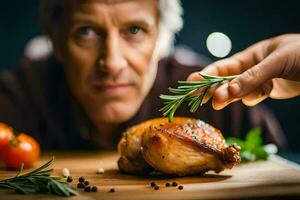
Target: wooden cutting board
{"x":264,"y":179}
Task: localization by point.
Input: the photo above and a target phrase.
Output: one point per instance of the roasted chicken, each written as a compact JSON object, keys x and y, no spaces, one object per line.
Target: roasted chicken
{"x":184,"y":147}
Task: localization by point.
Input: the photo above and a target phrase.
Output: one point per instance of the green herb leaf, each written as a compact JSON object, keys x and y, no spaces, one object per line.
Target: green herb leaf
{"x":38,"y":180}
{"x":186,"y":92}
{"x":253,"y":138}
{"x":252,"y":147}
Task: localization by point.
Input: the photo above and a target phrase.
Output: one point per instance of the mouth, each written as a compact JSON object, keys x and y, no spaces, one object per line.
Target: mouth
{"x":113,"y":89}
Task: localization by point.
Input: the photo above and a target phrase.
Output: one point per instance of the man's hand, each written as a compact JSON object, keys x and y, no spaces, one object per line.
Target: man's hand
{"x":270,"y":68}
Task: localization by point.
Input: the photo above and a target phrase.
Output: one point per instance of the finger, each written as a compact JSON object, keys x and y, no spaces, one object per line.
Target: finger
{"x":258,"y":95}
{"x":254,"y":98}
{"x":195,"y":77}
{"x":209,"y":94}
{"x":218,"y":106}
{"x":222,"y":98}
{"x":221,"y":93}
{"x":256,"y":76}
{"x":284,"y":89}
{"x":224,"y":67}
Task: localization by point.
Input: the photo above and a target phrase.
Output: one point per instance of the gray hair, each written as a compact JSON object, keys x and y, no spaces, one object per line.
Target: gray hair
{"x":171,"y":22}
{"x":170,"y":12}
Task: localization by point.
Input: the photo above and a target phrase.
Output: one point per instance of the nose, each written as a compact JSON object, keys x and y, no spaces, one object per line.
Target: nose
{"x":112,"y":60}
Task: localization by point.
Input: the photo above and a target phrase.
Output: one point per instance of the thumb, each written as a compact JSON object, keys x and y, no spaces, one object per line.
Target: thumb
{"x":256,"y":76}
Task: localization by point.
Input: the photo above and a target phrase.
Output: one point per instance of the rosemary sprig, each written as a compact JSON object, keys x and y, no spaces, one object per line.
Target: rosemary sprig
{"x":185,"y":92}
{"x":38,"y":180}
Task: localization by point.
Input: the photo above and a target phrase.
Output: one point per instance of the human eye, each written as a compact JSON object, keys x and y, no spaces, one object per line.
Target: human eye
{"x":134,"y":33}
{"x":87,"y":32}
{"x":87,"y":36}
{"x":134,"y":29}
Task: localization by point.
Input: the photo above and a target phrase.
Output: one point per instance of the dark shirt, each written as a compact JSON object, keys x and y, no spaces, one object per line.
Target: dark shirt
{"x":35,"y":99}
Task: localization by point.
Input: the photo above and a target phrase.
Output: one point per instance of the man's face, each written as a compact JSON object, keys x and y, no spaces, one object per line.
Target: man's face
{"x":107,"y":53}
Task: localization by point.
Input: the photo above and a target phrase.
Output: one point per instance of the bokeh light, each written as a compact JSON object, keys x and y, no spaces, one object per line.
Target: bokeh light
{"x":218,"y":44}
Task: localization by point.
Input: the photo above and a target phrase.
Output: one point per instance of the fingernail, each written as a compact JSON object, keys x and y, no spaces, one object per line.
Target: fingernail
{"x":234,"y":89}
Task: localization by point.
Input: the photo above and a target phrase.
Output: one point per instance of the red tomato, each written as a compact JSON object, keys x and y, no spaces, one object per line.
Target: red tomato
{"x":21,"y":149}
{"x":6,"y":134}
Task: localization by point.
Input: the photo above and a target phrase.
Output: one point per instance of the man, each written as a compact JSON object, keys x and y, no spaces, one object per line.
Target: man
{"x":111,"y":61}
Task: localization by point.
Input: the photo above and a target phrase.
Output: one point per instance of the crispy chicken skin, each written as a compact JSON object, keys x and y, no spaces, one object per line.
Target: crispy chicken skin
{"x":184,"y":147}
{"x":129,"y":147}
{"x":131,"y":160}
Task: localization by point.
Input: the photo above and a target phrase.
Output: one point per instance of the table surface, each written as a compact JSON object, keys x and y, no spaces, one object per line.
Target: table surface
{"x":269,"y":179}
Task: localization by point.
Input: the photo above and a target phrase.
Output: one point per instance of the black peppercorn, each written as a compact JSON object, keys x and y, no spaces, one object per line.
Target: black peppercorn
{"x":81,"y":179}
{"x":180,"y":187}
{"x":86,"y":183}
{"x":87,"y":189}
{"x":112,"y":190}
{"x":174,"y":184}
{"x":69,"y":179}
{"x":153,"y":184}
{"x":94,"y":189}
{"x":156,"y":187}
{"x":80,"y":185}
{"x":168,"y":184}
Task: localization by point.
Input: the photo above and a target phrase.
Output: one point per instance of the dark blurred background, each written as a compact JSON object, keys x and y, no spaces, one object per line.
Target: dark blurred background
{"x":244,"y":22}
